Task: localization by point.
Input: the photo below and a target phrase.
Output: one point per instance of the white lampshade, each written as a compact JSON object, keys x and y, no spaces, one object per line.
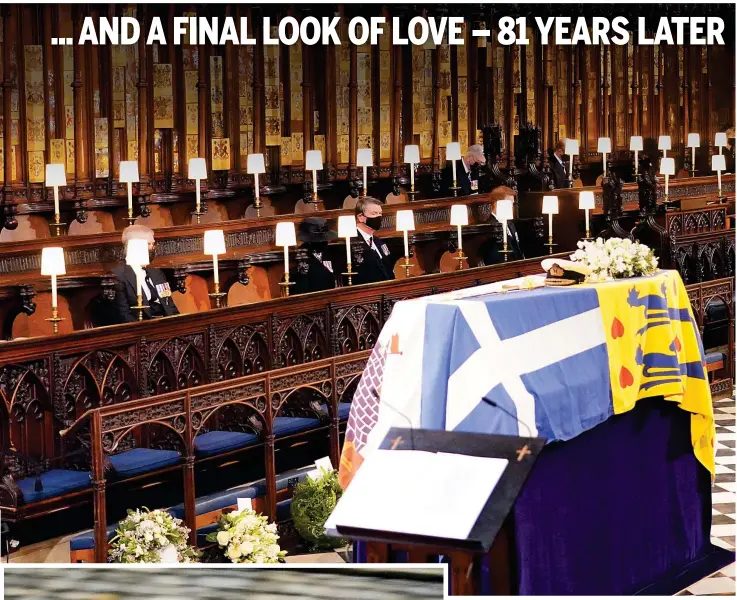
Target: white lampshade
{"x":586,"y":200}
{"x":693,"y":140}
{"x":347,"y":226}
{"x":571,"y":147}
{"x":55,"y":175}
{"x":505,"y":209}
{"x":664,"y":142}
{"x":550,"y":203}
{"x":718,"y":162}
{"x":285,"y":235}
{"x":453,"y":151}
{"x":136,"y":253}
{"x":255,"y":164}
{"x":605,"y":145}
{"x":636,"y":143}
{"x":128,"y":171}
{"x":214,"y":242}
{"x":197,"y":169}
{"x":720,"y":139}
{"x":405,"y":220}
{"x":412,"y":154}
{"x":668,"y":166}
{"x":364,"y":157}
{"x":52,"y":261}
{"x":313,"y":160}
{"x":459,"y":214}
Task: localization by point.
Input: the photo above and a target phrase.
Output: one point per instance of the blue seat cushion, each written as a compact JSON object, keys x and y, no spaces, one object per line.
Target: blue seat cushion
{"x":289,"y":425}
{"x":714,"y":357}
{"x":56,"y":482}
{"x":216,"y":442}
{"x":225,"y":498}
{"x":284,"y":510}
{"x":142,"y":460}
{"x":202,"y":534}
{"x":344,"y":409}
{"x":86,"y":539}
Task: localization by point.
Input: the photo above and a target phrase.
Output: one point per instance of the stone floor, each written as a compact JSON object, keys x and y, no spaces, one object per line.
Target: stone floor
{"x":724,"y":494}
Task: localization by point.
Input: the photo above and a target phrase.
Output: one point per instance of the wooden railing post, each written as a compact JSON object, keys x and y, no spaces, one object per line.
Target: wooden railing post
{"x":334,"y":418}
{"x":269,"y":458}
{"x":190,"y":497}
{"x":98,"y":486}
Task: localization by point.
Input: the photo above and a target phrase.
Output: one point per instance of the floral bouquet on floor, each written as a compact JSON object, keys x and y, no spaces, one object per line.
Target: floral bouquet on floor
{"x":313,"y":502}
{"x":247,"y":537}
{"x":151,"y":536}
{"x":615,"y":258}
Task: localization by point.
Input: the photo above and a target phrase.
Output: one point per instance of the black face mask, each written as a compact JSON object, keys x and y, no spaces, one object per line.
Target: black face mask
{"x":374,"y":222}
{"x":319,"y":247}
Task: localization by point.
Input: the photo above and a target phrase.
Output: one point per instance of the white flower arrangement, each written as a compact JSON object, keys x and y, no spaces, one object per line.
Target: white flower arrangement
{"x":151,"y":536}
{"x":247,"y":537}
{"x":615,"y":258}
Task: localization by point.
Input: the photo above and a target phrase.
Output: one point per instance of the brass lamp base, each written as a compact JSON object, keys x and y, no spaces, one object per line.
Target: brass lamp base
{"x":455,"y":189}
{"x":198,"y":214}
{"x":56,"y":228}
{"x":140,"y":307}
{"x":130,"y":218}
{"x":460,"y":258}
{"x":55,"y":319}
{"x":407,"y":266}
{"x":550,"y":245}
{"x":349,"y":274}
{"x":217,"y":296}
{"x":412,"y":193}
{"x":285,"y":286}
{"x":505,"y":252}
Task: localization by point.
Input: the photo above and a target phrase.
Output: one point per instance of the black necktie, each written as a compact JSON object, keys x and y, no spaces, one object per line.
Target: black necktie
{"x":152,"y":287}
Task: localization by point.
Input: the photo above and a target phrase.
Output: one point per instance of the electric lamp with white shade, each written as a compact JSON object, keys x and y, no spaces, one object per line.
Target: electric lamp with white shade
{"x":347,"y":229}
{"x":52,"y":265}
{"x":586,"y":203}
{"x":636,"y":146}
{"x":664,"y":144}
{"x":214,"y":245}
{"x":693,"y":141}
{"x":550,"y":208}
{"x":719,"y":164}
{"x":604,"y":146}
{"x":453,"y":153}
{"x":459,"y":218}
{"x":129,"y":176}
{"x":571,"y":149}
{"x":256,"y":166}
{"x":136,"y":256}
{"x":55,"y":177}
{"x":365,"y":159}
{"x":412,"y":158}
{"x":720,"y":140}
{"x":313,"y":162}
{"x":285,"y":237}
{"x":197,"y":172}
{"x":405,"y":224}
{"x":668,"y":169}
{"x":505,"y":213}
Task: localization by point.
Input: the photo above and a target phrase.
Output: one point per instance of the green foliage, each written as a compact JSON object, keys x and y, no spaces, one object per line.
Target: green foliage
{"x":312,"y":504}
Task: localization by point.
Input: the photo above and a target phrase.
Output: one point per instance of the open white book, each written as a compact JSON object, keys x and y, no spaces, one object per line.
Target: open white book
{"x":418,"y":493}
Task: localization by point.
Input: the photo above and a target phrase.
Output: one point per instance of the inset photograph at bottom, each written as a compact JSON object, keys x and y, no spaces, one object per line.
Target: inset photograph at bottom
{"x":228,"y":583}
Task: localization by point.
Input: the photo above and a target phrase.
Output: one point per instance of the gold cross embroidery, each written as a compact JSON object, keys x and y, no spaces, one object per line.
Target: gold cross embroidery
{"x":397,"y":441}
{"x":522,"y":452}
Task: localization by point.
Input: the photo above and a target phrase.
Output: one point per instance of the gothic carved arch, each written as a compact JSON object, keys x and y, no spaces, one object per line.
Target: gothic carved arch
{"x":356,"y":328}
{"x":176,"y":364}
{"x":299,"y":339}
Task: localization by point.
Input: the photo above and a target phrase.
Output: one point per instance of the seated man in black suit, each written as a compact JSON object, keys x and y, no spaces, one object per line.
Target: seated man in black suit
{"x":375,"y":263}
{"x":558,"y":166}
{"x":156,"y":290}
{"x":474,"y":156}
{"x":315,"y":274}
{"x":490,"y":252}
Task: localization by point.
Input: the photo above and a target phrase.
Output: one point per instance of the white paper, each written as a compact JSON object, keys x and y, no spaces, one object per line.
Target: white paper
{"x":325,"y":463}
{"x":421,"y":493}
{"x":315,"y":474}
{"x":245,"y":504}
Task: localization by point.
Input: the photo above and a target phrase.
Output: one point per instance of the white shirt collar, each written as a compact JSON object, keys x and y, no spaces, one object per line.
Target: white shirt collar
{"x":366,"y":237}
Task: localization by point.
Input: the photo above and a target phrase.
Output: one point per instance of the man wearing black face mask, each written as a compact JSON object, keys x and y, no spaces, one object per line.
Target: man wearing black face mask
{"x":376,"y":261}
{"x":316,"y":274}
{"x":157,"y":294}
